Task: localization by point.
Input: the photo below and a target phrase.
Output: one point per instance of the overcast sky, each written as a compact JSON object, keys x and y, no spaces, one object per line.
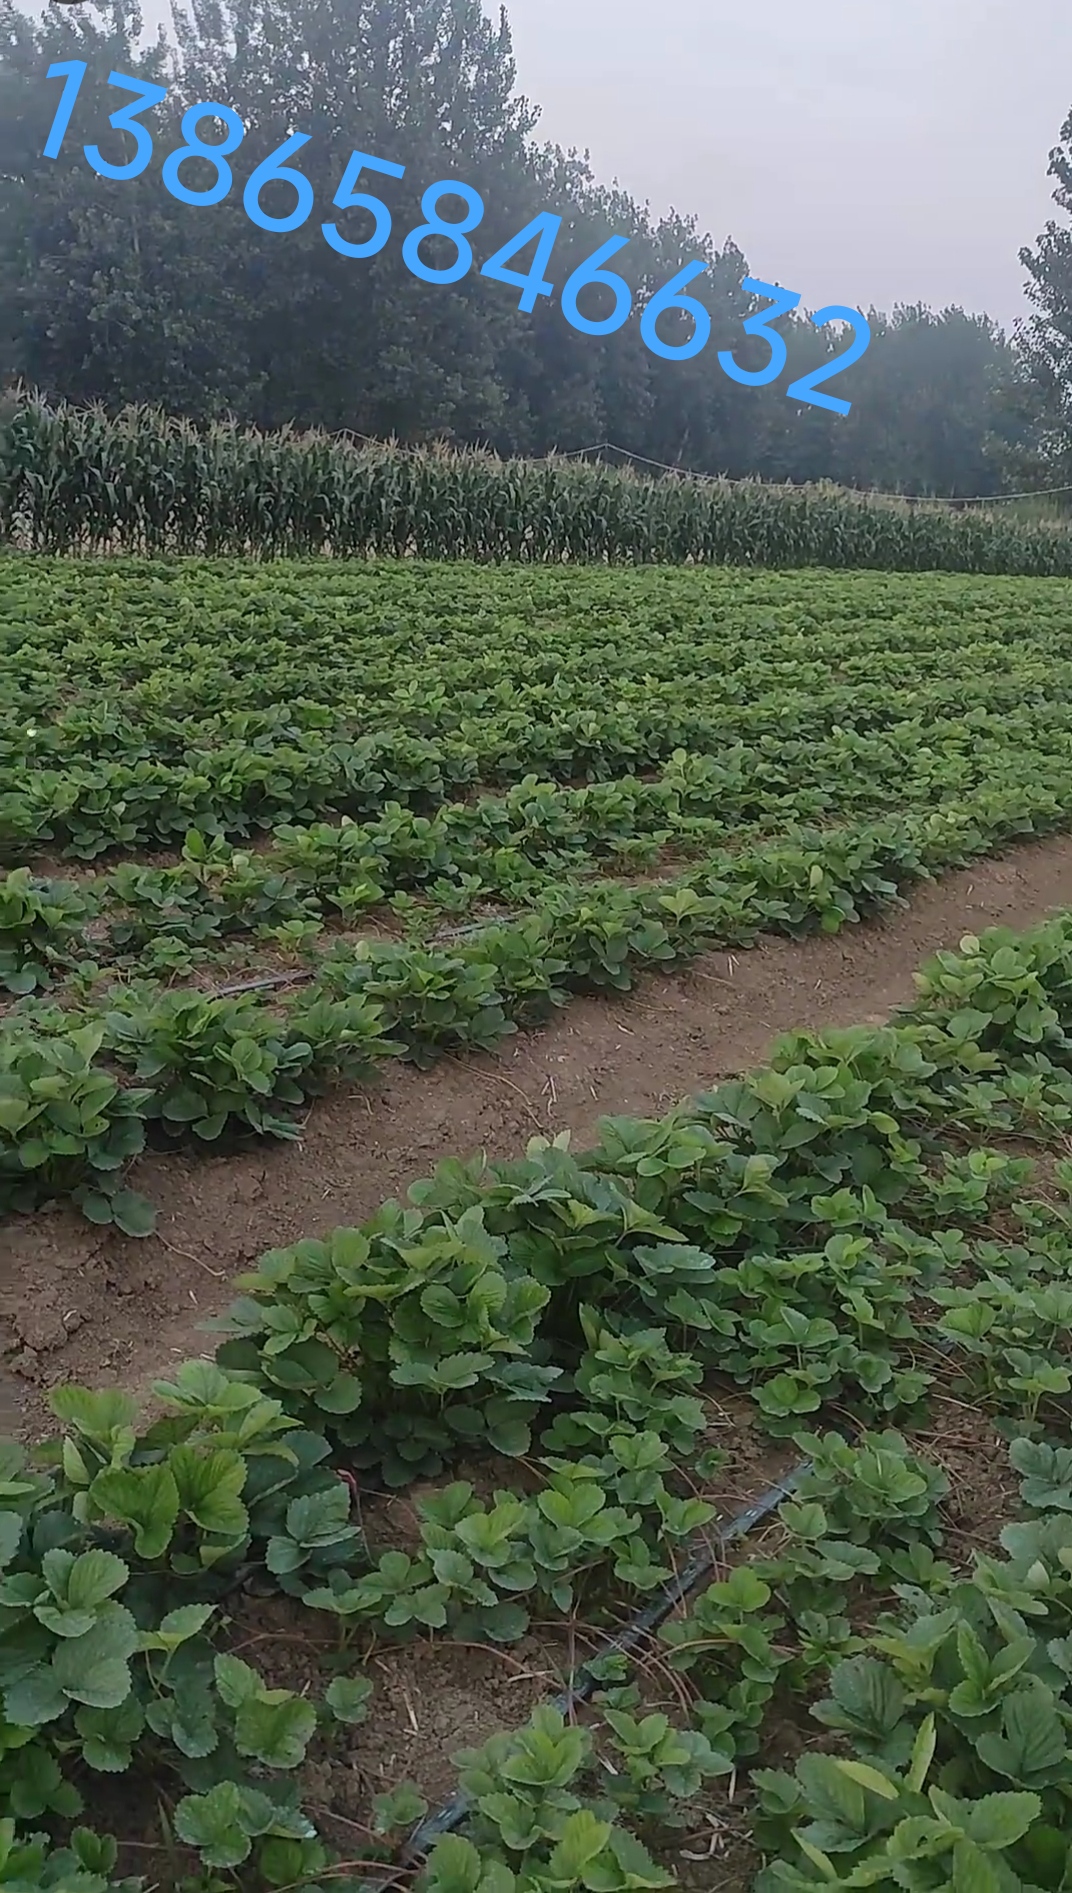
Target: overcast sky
{"x":859,"y":151}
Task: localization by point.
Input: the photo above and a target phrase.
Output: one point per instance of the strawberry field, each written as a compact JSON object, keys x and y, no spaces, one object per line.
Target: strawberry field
{"x":499,"y":1418}
{"x":690,"y":1507}
{"x":267,"y":829}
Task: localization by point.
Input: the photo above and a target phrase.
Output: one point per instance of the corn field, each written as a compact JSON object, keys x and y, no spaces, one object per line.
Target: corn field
{"x":76,"y":480}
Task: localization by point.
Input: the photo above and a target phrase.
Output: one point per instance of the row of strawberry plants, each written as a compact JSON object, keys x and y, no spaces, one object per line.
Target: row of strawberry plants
{"x":112,"y":692}
{"x":121,"y":1550}
{"x":940,"y":1761}
{"x":509,"y":849}
{"x":950,"y":1768}
{"x":711,"y":1218}
{"x":804,"y":1231}
{"x":499,"y":844}
{"x":955,"y":1714}
{"x":71,"y":1119}
{"x":169,"y":683}
{"x":87,"y":808}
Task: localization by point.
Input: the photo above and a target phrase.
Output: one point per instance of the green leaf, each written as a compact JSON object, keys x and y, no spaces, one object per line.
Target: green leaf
{"x":94,"y":1669}
{"x":144,"y":1497}
{"x":180,"y":1625}
{"x":922,"y":1754}
{"x":187,"y":1718}
{"x":869,"y":1778}
{"x":96,"y":1413}
{"x":215,"y":1824}
{"x":509,"y":1434}
{"x":10,"y":1537}
{"x":209,"y":1485}
{"x":741,"y":1591}
{"x":34,"y":1699}
{"x":454,"y":1866}
{"x":804,"y":1520}
{"x":133,"y":1214}
{"x":453,"y":1567}
{"x":320,"y":1518}
{"x":973,"y":1872}
{"x":1000,"y":1820}
{"x":236,"y":1681}
{"x":109,"y":1735}
{"x":834,"y":1797}
{"x":504,"y":1622}
{"x":399,"y":1809}
{"x":342,"y":1396}
{"x":866,"y":1699}
{"x":38,"y":1787}
{"x":1033,"y":1746}
{"x":275,"y":1728}
{"x":583,"y":1840}
{"x":348,"y":1698}
{"x":74,"y":1464}
{"x":636,"y":1864}
{"x":78,"y":1585}
{"x":283,"y":1555}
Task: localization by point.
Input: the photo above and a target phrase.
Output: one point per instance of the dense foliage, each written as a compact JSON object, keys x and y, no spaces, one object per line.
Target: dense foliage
{"x":76,"y":479}
{"x":232,"y":699}
{"x":446,"y":797}
{"x":113,"y":291}
{"x":1043,"y":397}
{"x":472,"y":795}
{"x":821,"y":1234}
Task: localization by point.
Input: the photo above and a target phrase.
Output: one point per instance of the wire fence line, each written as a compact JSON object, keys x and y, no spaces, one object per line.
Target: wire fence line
{"x":724,"y":479}
{"x":20,"y":392}
{"x":79,"y":481}
{"x":871,"y":493}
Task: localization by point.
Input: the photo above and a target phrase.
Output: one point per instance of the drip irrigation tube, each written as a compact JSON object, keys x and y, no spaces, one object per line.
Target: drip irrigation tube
{"x":300,"y":974}
{"x":647,"y":1619}
{"x":800,"y":486}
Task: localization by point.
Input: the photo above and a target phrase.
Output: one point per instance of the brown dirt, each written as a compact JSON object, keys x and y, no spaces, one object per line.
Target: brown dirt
{"x":81,"y":1303}
{"x":983,"y":1495}
{"x":431,"y":1699}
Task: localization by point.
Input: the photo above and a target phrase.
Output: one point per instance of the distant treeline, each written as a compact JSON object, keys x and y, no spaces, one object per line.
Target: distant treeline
{"x":113,"y":291}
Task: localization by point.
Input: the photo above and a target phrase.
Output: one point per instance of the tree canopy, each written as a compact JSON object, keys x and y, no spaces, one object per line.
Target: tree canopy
{"x":115,"y":291}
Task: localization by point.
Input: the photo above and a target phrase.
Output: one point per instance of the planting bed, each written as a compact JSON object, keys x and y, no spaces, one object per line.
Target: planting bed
{"x":553,"y":1385}
{"x":84,"y":1302}
{"x":269,"y":830}
{"x":702,"y":1469}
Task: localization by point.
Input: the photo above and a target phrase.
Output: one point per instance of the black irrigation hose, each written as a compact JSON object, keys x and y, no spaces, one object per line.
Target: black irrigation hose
{"x":647,"y":1619}
{"x":262,"y":985}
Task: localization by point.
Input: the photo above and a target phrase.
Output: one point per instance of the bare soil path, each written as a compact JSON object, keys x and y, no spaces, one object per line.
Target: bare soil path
{"x":79,"y":1303}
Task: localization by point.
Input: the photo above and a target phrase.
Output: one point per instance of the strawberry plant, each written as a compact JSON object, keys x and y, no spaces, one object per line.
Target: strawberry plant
{"x":40,"y":921}
{"x":68,"y":1128}
{"x":529,"y":1815}
{"x":656,"y":1770}
{"x":408,"y":1341}
{"x":216,"y":1061}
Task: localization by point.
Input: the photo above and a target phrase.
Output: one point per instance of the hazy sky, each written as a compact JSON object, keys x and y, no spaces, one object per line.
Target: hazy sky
{"x":859,"y":151}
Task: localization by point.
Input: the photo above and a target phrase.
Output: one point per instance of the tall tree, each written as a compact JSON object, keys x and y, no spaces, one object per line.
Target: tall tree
{"x":1045,"y":339}
{"x":104,"y":292}
{"x":114,"y":290}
